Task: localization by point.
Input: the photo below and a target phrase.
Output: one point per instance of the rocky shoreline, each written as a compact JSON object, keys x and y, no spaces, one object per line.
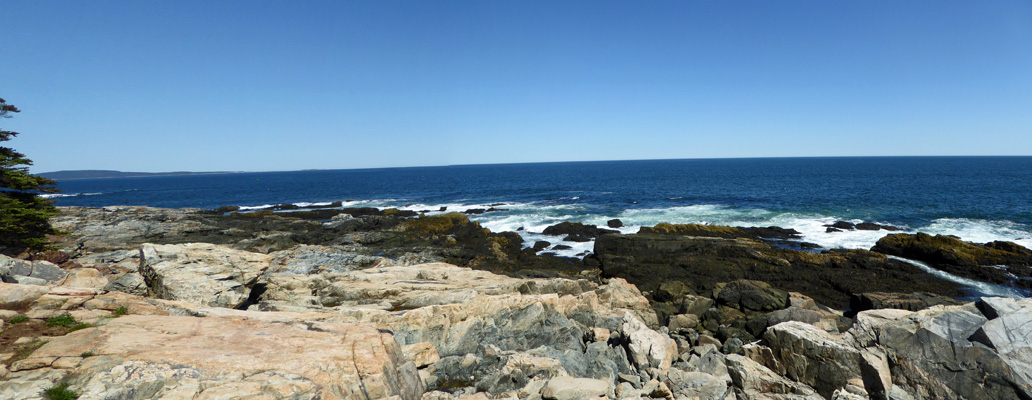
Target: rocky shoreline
{"x":369,"y":303}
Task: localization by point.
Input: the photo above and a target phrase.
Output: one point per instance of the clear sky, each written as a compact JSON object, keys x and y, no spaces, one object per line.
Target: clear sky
{"x":286,"y":85}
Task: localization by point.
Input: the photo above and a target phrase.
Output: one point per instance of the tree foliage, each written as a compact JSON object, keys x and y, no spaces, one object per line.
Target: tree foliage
{"x":24,"y":214}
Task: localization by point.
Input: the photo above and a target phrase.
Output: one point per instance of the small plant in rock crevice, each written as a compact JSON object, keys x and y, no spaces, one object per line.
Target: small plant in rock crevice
{"x":61,"y":320}
{"x":60,"y":392}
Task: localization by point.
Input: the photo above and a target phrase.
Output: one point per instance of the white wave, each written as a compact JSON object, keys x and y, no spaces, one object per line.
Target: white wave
{"x":980,"y":230}
{"x":309,"y":204}
{"x":978,"y":288}
{"x":250,"y":208}
{"x":59,"y":195}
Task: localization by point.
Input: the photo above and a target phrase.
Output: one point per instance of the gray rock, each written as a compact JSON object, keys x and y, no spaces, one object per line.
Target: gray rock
{"x":44,"y":271}
{"x":946,"y":351}
{"x":28,"y":280}
{"x":757,"y":381}
{"x":685,"y":384}
{"x":131,"y":283}
{"x":568,"y":388}
{"x":809,"y":355}
{"x":992,"y":307}
{"x":683,"y":321}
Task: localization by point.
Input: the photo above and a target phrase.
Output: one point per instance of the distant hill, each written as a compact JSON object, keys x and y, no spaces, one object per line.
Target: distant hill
{"x":100,"y":173}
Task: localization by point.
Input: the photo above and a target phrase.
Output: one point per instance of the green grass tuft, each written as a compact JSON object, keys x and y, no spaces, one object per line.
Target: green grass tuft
{"x":61,"y":320}
{"x":60,"y":392}
{"x":77,"y":327}
{"x":86,"y":354}
{"x":120,"y":311}
{"x":18,"y":319}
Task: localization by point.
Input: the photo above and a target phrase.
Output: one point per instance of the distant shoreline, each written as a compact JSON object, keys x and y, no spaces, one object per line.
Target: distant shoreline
{"x":102,"y":174}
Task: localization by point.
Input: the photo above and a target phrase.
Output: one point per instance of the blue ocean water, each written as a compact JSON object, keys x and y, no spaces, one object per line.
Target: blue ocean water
{"x":976,"y":198}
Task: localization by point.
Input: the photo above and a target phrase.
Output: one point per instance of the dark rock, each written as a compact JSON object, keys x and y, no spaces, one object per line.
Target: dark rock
{"x":576,"y":237}
{"x":561,"y":247}
{"x":792,"y":314}
{"x":474,"y":211}
{"x":52,"y":256}
{"x":541,"y":245}
{"x":843,"y":225}
{"x":904,"y":301}
{"x":442,"y":209}
{"x":869,"y":226}
{"x":830,"y":230}
{"x":614,"y":223}
{"x":577,"y":229}
{"x":669,"y":291}
{"x":648,"y":260}
{"x":996,"y":262}
{"x":732,"y":346}
{"x":993,"y":307}
{"x":751,"y":295}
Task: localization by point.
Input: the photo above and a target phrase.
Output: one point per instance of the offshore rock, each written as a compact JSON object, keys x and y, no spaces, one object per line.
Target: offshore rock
{"x":996,"y":262}
{"x":577,"y":230}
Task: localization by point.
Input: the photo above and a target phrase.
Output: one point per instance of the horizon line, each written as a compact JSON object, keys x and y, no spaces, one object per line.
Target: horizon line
{"x":519,"y":163}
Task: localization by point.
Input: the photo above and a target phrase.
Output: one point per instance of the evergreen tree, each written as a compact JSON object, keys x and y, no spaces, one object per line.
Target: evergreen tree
{"x":24,"y":215}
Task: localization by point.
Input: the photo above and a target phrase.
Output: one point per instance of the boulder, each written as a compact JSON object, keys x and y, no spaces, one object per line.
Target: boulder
{"x":943,"y":351}
{"x":758,"y":381}
{"x":614,"y":223}
{"x":811,"y":356}
{"x":201,"y":273}
{"x":751,"y":295}
{"x":648,"y":348}
{"x":11,"y":270}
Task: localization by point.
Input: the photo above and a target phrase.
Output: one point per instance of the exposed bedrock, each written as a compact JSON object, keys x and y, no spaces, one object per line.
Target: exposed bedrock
{"x":998,"y":262}
{"x":701,"y":262}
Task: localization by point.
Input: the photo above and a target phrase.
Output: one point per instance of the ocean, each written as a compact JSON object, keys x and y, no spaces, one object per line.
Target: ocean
{"x":978,"y":199}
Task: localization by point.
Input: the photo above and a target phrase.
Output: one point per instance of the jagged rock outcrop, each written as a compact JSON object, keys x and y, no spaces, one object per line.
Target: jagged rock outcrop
{"x":649,"y":260}
{"x":201,"y":273}
{"x":998,"y":262}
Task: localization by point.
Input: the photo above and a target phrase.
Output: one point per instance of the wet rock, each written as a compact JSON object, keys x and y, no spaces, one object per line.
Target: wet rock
{"x":541,"y":245}
{"x":614,"y":223}
{"x":996,"y":262}
{"x":650,"y":260}
{"x":577,"y":230}
{"x":905,"y":301}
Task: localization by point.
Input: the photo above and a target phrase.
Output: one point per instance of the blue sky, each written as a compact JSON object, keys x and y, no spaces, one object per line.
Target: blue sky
{"x":278,"y":85}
